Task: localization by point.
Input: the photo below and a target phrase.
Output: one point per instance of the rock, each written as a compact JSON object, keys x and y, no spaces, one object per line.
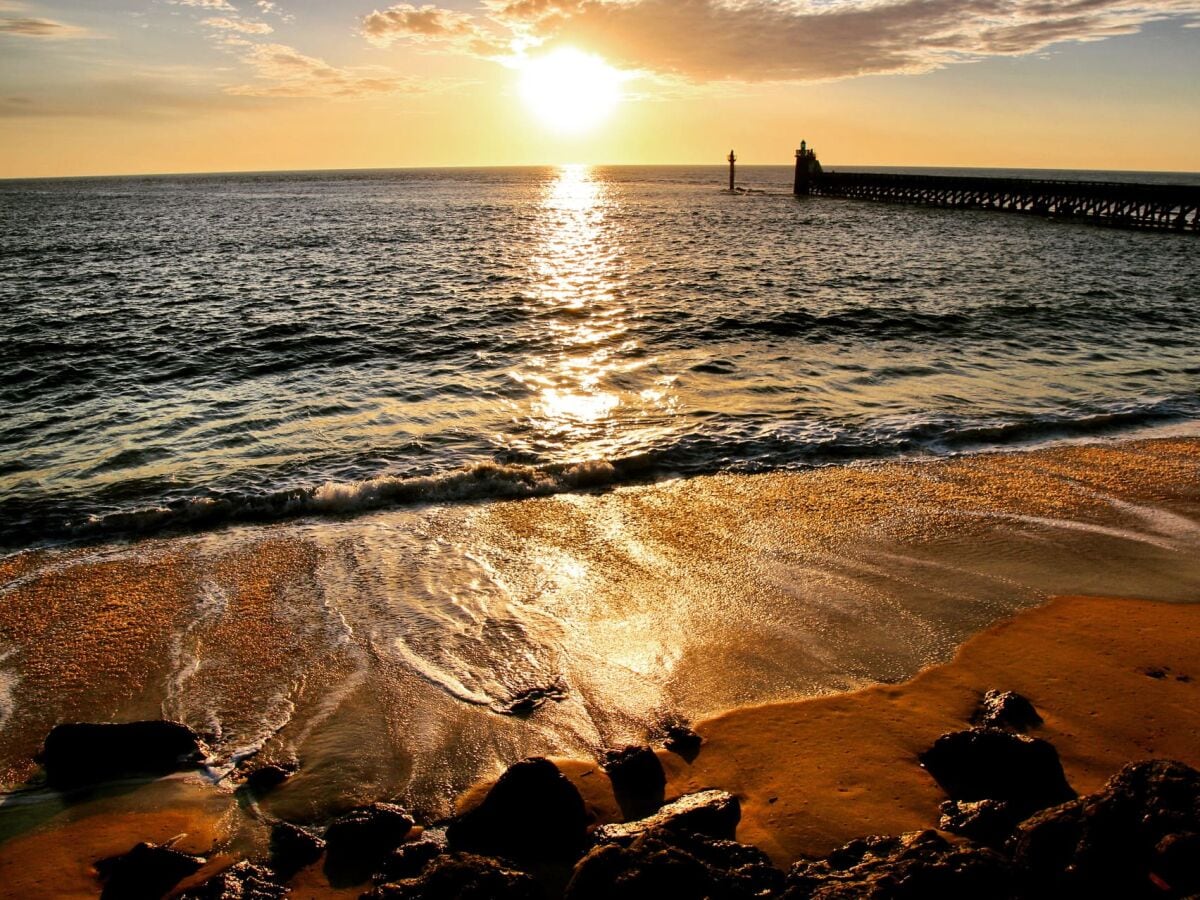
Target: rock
{"x":77,"y":754}
{"x":1121,"y":841}
{"x":146,"y":872}
{"x":532,"y":813}
{"x":712,"y":813}
{"x":1177,"y":863}
{"x":987,"y":822}
{"x":682,"y":741}
{"x":409,"y":860}
{"x":1006,"y":709}
{"x":293,"y":848}
{"x":527,"y":701}
{"x":243,"y":881}
{"x":638,"y":780}
{"x":357,"y":843}
{"x":463,"y":876}
{"x":264,"y":779}
{"x":671,"y":864}
{"x":917,"y":866}
{"x":991,"y":764}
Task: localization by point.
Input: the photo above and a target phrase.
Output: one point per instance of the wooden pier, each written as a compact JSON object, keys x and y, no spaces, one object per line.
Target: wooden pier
{"x":1160,"y":207}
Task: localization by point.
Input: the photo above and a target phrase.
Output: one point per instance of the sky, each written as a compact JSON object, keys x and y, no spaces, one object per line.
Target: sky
{"x":150,"y":86}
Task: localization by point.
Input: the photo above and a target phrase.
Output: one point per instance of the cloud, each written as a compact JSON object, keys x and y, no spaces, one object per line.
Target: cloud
{"x":423,"y":24}
{"x":806,"y":40}
{"x":405,"y":20}
{"x":243,"y":26}
{"x":163,"y":95}
{"x":18,"y":26}
{"x":223,"y":5}
{"x":283,"y":71}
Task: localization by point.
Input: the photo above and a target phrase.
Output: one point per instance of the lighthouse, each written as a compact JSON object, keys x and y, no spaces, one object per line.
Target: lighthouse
{"x":732,"y":159}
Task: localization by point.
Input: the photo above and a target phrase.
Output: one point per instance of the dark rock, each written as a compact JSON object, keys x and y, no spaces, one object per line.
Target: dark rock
{"x":525,"y":702}
{"x":147,"y":871}
{"x":1006,"y":709}
{"x":660,"y":864}
{"x":243,"y":881}
{"x":77,"y":754}
{"x":264,"y":779}
{"x":712,"y":813}
{"x":358,"y":842}
{"x":991,"y":764}
{"x":293,"y":848}
{"x":532,"y":813}
{"x":638,"y":780}
{"x":1114,"y":842}
{"x":1177,"y":863}
{"x":918,"y":866}
{"x":409,"y":860}
{"x":987,"y":822}
{"x":463,"y":876}
{"x":682,"y":741}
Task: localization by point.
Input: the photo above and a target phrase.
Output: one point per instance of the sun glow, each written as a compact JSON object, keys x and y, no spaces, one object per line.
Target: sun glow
{"x":570,"y":91}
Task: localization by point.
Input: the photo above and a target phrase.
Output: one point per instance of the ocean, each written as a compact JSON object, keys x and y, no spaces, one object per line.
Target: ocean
{"x":402,"y":476}
{"x":186,"y":352}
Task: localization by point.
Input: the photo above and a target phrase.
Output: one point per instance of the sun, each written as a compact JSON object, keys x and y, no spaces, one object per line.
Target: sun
{"x":570,"y":91}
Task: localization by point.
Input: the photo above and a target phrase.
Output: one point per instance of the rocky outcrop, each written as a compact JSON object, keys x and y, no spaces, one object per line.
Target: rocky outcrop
{"x":261,"y":780}
{"x":1006,"y":709}
{"x":532,"y":813}
{"x":638,"y":780}
{"x":661,"y":863}
{"x":409,"y":860}
{"x":292,"y":849}
{"x":682,"y":741}
{"x":918,"y":866}
{"x":463,"y":876}
{"x":146,"y":872}
{"x":81,"y":753}
{"x":357,"y":843}
{"x":986,"y":822}
{"x":992,"y":764}
{"x":711,"y":813}
{"x":243,"y":881}
{"x":1129,"y":840}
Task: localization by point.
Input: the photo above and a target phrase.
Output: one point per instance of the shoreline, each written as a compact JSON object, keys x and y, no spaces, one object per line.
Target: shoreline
{"x":845,"y":765}
{"x":1115,"y":680}
{"x":485,"y":482}
{"x":396,"y":638}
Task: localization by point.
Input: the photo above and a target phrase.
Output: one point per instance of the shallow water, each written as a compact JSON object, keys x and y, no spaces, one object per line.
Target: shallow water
{"x":199,"y":350}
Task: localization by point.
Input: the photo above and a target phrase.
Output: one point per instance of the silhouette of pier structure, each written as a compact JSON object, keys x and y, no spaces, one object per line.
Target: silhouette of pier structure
{"x":1159,"y":207}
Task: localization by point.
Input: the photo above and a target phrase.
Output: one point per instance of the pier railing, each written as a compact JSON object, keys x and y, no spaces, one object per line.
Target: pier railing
{"x":1164,"y":207}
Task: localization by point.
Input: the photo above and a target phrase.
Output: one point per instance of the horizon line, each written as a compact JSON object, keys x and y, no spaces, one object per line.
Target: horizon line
{"x":514,"y":166}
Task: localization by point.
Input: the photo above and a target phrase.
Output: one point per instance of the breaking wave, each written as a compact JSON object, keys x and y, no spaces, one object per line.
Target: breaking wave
{"x":701,"y":452}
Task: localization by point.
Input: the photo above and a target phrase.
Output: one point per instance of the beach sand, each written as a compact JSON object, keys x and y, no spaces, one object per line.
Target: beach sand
{"x":370,"y":649}
{"x":1115,"y":680}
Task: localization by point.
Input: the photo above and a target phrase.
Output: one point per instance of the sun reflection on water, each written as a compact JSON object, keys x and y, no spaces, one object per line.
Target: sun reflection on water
{"x":590,"y":374}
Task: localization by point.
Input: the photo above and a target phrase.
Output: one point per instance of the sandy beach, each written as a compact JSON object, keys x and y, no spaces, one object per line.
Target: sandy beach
{"x":931,"y":582}
{"x":1114,"y":678}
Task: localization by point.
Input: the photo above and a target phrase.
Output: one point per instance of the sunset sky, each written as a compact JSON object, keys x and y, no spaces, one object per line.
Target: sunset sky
{"x":133,"y":86}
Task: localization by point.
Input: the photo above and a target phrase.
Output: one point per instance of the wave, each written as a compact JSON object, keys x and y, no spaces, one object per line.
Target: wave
{"x":30,"y":522}
{"x":883,"y":322}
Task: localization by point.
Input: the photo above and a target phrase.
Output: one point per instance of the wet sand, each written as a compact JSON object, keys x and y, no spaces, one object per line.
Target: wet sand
{"x":377,"y":651}
{"x":1115,"y":680}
